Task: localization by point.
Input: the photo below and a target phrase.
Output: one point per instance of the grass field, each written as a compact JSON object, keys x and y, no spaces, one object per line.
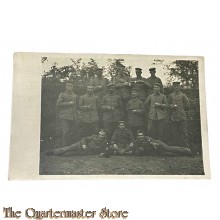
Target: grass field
{"x":120,"y":165}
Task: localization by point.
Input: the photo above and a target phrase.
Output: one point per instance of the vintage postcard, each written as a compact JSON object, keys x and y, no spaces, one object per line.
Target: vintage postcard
{"x":83,"y":116}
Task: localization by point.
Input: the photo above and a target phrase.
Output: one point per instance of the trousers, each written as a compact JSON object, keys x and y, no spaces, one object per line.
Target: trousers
{"x":69,"y":132}
{"x":180,"y":133}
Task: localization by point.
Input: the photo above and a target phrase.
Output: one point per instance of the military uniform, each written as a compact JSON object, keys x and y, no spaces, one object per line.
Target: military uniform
{"x":94,"y":145}
{"x":67,"y":103}
{"x":111,"y":112}
{"x":122,"y":138}
{"x":136,"y":115}
{"x":139,"y":83}
{"x":89,"y":107}
{"x":122,"y":85}
{"x":156,"y":115}
{"x":100,"y":86}
{"x":149,"y":146}
{"x":150,"y":81}
{"x":178,"y":103}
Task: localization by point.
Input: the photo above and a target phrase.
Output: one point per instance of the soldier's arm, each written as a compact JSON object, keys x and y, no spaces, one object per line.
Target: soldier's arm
{"x":186,"y":102}
{"x":61,"y":102}
{"x":81,"y":104}
{"x":162,"y":89}
{"x":120,"y":106}
{"x":128,"y":107}
{"x":86,"y":140}
{"x":98,"y":104}
{"x":114,"y":138}
{"x":103,"y":104}
{"x":141,"y":108}
{"x":77,"y":102}
{"x":148,"y":84}
{"x":131,"y":137}
{"x":165,"y":102}
{"x":170,"y":102}
{"x":147,"y":103}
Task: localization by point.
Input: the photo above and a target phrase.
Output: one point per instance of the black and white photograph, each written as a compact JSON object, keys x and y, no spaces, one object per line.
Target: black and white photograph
{"x":121,"y":115}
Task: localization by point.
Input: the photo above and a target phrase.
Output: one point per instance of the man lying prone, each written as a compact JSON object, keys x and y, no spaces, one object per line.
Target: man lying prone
{"x":145,"y":145}
{"x":94,"y":144}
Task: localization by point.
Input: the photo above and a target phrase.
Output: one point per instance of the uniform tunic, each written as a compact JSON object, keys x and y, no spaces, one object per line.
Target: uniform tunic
{"x":135,"y":119}
{"x":100,"y":86}
{"x":139,"y":83}
{"x":156,"y":115}
{"x":151,"y":81}
{"x":89,"y":105}
{"x":114,"y":114}
{"x":149,"y":146}
{"x":67,"y":111}
{"x":178,"y":118}
{"x":122,"y":136}
{"x":94,"y":143}
{"x":122,"y":90}
{"x":182,"y":102}
{"x":68,"y":116}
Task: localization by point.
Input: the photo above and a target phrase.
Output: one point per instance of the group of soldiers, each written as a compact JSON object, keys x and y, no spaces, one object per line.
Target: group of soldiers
{"x":126,"y":116}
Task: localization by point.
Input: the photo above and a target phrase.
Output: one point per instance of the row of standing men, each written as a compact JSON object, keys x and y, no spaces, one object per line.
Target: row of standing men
{"x":106,"y":103}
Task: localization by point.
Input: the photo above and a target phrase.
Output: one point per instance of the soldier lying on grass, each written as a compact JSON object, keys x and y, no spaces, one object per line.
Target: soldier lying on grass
{"x":122,"y":143}
{"x":94,"y":144}
{"x":144,"y":146}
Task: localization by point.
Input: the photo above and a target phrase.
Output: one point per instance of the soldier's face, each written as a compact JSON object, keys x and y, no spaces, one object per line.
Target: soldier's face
{"x":156,"y":89}
{"x":90,"y":90}
{"x":153,"y":72}
{"x":134,"y":94}
{"x":121,"y":126}
{"x":140,"y":136}
{"x":69,"y":87}
{"x":138,"y":73}
{"x":176,"y":87}
{"x":102,"y":135}
{"x":99,"y":74}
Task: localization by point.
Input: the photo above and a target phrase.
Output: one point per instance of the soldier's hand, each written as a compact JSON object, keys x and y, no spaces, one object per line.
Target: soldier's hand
{"x":84,"y":147}
{"x":157,"y":105}
{"x":131,"y":145}
{"x":173,"y":106}
{"x":115,"y":146}
{"x":149,"y":85}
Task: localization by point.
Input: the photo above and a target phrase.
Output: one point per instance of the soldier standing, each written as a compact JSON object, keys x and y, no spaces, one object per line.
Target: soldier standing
{"x":100,"y":83}
{"x":89,"y":106}
{"x":67,"y":103}
{"x":111,"y":110}
{"x":150,"y":81}
{"x":100,"y":88}
{"x":178,"y":103}
{"x":122,"y":85}
{"x":136,"y":113}
{"x":140,"y":84}
{"x":157,"y":104}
